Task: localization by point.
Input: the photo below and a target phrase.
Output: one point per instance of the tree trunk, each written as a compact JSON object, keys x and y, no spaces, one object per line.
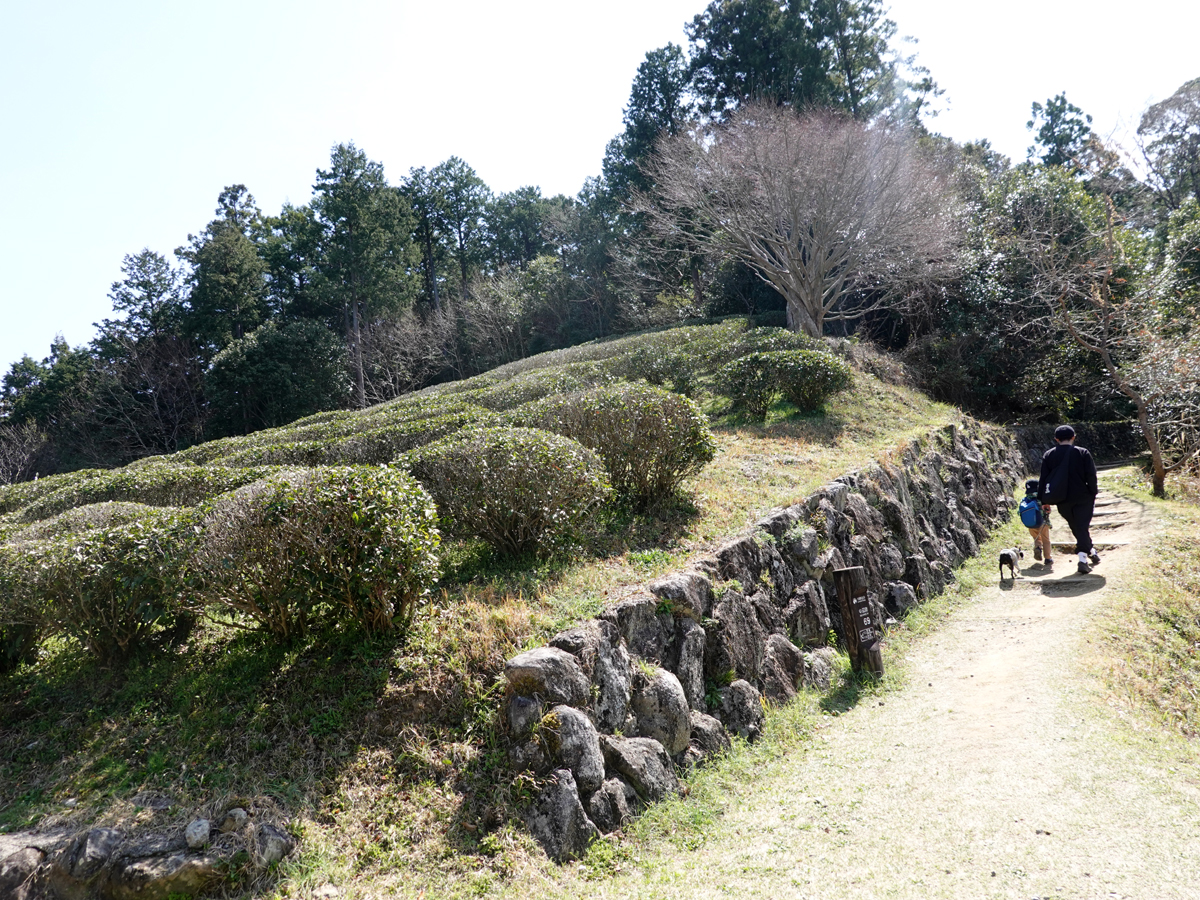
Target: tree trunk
{"x":1158,"y":467}
{"x":360,"y":386}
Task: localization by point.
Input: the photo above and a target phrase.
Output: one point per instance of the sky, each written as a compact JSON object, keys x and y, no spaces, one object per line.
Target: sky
{"x":121,"y":122}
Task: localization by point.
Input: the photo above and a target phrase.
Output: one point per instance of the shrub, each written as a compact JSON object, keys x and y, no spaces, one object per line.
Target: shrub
{"x":350,"y":541}
{"x":109,"y":588}
{"x":544,"y":383}
{"x":384,"y":444}
{"x":659,"y":364}
{"x":22,"y":618}
{"x":86,"y":518}
{"x":153,"y":486}
{"x":806,"y":378}
{"x":649,"y":438}
{"x":518,"y":489}
{"x":749,"y":382}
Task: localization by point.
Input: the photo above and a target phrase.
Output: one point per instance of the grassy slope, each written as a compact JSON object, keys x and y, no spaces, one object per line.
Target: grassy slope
{"x":384,"y":754}
{"x":1151,"y":637}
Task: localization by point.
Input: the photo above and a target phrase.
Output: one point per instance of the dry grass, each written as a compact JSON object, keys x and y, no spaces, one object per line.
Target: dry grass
{"x":1152,"y":634}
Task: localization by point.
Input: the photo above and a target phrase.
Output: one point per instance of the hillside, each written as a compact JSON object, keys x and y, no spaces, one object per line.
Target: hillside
{"x":378,"y":748}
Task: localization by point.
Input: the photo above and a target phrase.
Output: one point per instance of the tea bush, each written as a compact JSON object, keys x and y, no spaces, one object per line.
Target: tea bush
{"x":650,"y":439}
{"x":109,"y":588}
{"x":86,"y":518}
{"x":152,"y":485}
{"x":22,"y":617}
{"x":749,"y":383}
{"x":518,"y":489}
{"x":544,"y":383}
{"x":807,"y":378}
{"x":338,"y":542}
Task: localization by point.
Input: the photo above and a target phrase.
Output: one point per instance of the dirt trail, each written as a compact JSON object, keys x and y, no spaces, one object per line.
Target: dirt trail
{"x":997,"y":772}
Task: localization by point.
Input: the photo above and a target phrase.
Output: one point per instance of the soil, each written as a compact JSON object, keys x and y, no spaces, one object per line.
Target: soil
{"x":998,"y":770}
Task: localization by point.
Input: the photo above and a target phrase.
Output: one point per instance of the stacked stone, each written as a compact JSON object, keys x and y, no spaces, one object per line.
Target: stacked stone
{"x":612,"y":709}
{"x":107,"y":863}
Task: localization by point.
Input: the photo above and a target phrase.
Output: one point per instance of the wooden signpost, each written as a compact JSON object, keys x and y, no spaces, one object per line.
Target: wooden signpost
{"x":862,"y":641}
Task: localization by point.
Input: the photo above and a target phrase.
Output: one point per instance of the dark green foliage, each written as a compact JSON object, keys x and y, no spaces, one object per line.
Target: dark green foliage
{"x":274,"y":375}
{"x":377,"y":446}
{"x":228,"y":278}
{"x":159,"y":485}
{"x":22,"y":615}
{"x":807,"y":378}
{"x":110,"y":588}
{"x":1063,"y":130}
{"x":650,"y":439}
{"x":357,"y":543}
{"x":539,"y":383}
{"x":802,"y":53}
{"x":518,"y":489}
{"x":749,"y":382}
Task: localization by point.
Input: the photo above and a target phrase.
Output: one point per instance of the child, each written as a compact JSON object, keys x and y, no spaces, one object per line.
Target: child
{"x":1036,"y":517}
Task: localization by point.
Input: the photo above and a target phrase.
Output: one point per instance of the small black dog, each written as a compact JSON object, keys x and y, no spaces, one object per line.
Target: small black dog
{"x":1011,"y":558}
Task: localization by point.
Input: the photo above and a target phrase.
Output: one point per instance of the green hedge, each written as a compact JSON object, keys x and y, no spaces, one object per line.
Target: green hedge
{"x":650,"y":439}
{"x":518,"y":489}
{"x":540,"y":383}
{"x":352,"y":542}
{"x":749,"y":383}
{"x":109,"y":588}
{"x":22,"y":613}
{"x":807,"y":378}
{"x":153,"y":486}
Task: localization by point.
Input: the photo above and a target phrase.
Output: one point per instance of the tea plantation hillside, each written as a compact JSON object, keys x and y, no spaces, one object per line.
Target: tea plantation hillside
{"x":311,"y":621}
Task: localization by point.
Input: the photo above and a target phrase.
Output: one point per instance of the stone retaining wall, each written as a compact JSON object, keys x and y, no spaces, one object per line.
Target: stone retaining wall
{"x":613,"y":709}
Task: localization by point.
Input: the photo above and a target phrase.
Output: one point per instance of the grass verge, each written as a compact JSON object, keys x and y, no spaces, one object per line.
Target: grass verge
{"x":1151,"y":632}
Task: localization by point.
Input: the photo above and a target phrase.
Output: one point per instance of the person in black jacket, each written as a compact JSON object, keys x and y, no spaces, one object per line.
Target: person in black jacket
{"x":1078,"y":502}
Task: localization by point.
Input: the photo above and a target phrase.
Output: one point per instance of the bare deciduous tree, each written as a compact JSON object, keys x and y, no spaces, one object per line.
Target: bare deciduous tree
{"x":20,"y":446}
{"x":404,"y":351}
{"x":820,"y":206}
{"x":1105,"y":300}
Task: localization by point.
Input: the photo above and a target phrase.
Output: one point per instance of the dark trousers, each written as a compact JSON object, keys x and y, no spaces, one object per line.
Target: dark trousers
{"x":1078,"y":517}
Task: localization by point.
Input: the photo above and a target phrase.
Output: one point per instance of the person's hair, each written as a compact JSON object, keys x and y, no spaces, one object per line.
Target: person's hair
{"x":1064,"y":433}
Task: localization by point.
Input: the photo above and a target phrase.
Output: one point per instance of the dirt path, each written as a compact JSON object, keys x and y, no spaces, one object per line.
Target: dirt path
{"x":997,"y":772}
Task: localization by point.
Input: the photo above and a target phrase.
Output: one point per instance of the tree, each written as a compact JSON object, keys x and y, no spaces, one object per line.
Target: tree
{"x":149,"y":296}
{"x":228,"y":277}
{"x":1063,"y":132}
{"x":762,"y":51}
{"x":365,"y":251}
{"x":275,"y":375}
{"x":822,"y":207}
{"x":1093,"y":275}
{"x":290,"y":247}
{"x":861,"y":68}
{"x":659,"y":103}
{"x":464,"y":201}
{"x":21,"y":446}
{"x":802,"y":53}
{"x":425,"y":200}
{"x":516,"y":225}
{"x":1169,"y":133}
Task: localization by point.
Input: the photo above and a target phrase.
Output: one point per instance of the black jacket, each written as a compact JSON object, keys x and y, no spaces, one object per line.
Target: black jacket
{"x":1082,"y":483}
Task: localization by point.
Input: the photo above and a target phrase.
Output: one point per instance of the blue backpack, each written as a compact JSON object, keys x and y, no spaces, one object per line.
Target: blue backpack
{"x":1031,"y":513}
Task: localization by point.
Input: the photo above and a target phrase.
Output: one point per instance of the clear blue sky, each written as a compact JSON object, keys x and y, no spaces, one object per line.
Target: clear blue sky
{"x":123,"y":120}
